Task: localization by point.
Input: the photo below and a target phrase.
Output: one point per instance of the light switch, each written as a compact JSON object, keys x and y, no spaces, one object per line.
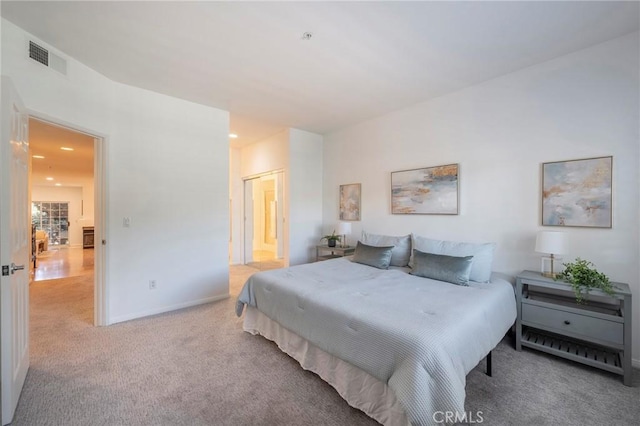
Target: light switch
{"x":126,"y":222}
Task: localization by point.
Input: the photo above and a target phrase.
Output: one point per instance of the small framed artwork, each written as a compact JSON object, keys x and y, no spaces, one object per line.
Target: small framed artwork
{"x":350,"y":197}
{"x":577,"y":193}
{"x":430,"y":190}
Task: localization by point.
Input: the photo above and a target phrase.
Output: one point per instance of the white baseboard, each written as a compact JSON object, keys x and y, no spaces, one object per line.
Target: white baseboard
{"x":635,"y":363}
{"x":164,"y":309}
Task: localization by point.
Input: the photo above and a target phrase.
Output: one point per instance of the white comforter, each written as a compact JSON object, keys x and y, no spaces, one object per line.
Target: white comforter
{"x":420,"y":336}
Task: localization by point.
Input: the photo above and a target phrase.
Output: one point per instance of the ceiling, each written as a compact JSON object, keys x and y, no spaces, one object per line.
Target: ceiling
{"x":67,"y":168}
{"x":364,"y":59}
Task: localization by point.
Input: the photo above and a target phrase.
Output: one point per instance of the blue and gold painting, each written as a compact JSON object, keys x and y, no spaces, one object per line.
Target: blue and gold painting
{"x":577,"y":193}
{"x":431,"y":190}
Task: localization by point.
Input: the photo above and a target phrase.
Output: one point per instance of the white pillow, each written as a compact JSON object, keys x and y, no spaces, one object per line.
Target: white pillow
{"x":402,"y":246}
{"x":482,"y":254}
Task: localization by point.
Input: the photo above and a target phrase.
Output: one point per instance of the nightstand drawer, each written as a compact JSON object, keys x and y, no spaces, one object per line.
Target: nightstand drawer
{"x":595,"y":329}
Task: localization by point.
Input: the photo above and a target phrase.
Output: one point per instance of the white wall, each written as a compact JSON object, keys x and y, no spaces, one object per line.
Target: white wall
{"x":172,"y":181}
{"x":305,"y":194}
{"x":166,"y":168}
{"x":70,"y":194}
{"x":236,"y":192}
{"x":265,"y":156}
{"x":500,"y":132}
{"x":299,"y":154}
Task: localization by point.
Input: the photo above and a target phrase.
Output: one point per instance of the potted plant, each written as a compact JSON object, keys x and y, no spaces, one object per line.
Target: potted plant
{"x":583,"y":276}
{"x":331,"y":239}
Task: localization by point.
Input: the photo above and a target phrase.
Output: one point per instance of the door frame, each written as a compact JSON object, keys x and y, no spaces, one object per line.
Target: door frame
{"x":281,"y":221}
{"x":100,"y":283}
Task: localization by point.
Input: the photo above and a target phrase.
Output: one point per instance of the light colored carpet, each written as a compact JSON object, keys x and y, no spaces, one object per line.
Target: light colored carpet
{"x":238,"y":275}
{"x":197,"y":367}
{"x":266,"y":265}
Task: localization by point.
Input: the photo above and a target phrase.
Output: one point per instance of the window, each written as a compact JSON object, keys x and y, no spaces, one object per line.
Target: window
{"x":53,"y":218}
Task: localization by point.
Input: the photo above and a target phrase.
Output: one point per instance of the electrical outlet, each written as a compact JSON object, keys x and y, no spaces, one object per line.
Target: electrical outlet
{"x":152,"y":285}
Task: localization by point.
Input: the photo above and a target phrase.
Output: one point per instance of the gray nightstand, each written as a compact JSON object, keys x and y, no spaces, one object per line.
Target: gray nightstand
{"x":597,"y":333}
{"x":332,"y":252}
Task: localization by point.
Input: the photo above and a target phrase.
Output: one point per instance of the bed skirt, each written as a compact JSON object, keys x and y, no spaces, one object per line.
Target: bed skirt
{"x":360,"y":389}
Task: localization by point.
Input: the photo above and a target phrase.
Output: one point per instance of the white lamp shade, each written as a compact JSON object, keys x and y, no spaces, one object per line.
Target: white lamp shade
{"x":344,"y":228}
{"x":552,"y":242}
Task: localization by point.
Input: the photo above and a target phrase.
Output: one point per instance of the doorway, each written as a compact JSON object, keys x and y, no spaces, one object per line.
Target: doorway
{"x":65,"y":196}
{"x":263,"y":221}
{"x":62,"y":199}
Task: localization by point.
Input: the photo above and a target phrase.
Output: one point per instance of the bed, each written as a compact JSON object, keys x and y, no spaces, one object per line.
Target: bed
{"x":395,"y":345}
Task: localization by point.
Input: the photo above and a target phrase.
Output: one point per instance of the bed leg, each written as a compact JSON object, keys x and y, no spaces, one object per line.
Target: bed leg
{"x":489,"y":365}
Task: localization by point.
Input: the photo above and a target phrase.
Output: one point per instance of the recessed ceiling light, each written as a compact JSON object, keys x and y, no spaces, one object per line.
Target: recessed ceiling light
{"x":38,"y":156}
{"x":233,"y":136}
{"x":58,"y":184}
{"x":49,"y":178}
{"x":65,"y":148}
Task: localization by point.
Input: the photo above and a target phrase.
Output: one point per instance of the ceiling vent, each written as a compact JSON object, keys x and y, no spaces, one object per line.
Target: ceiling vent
{"x":46,"y":58}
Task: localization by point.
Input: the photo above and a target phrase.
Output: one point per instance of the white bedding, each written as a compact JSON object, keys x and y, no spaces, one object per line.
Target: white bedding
{"x":419,"y":336}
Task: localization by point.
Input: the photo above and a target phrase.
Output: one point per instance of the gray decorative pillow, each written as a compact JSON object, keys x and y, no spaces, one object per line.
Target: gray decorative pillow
{"x":440,"y":267}
{"x":378,"y":257}
{"x":401,"y":250}
{"x":482,"y":254}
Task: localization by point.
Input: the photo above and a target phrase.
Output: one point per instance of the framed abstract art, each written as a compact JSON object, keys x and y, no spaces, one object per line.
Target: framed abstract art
{"x":430,"y":190}
{"x":577,"y":193}
{"x":350,"y":197}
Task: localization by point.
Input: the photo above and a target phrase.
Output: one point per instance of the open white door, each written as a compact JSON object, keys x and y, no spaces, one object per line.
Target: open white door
{"x":15,"y":239}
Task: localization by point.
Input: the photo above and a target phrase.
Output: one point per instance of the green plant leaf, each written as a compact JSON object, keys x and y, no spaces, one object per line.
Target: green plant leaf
{"x":583,"y":276}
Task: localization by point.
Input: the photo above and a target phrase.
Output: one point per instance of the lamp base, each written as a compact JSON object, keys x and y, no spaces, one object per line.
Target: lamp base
{"x":549,"y":266}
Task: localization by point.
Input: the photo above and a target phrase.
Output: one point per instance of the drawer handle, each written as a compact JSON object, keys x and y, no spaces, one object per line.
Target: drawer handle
{"x":567,"y":322}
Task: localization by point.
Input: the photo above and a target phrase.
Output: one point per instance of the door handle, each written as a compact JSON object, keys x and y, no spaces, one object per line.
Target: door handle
{"x":15,"y":268}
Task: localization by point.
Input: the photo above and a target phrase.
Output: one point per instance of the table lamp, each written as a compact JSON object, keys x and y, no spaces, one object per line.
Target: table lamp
{"x":552,"y":243}
{"x":344,"y":229}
